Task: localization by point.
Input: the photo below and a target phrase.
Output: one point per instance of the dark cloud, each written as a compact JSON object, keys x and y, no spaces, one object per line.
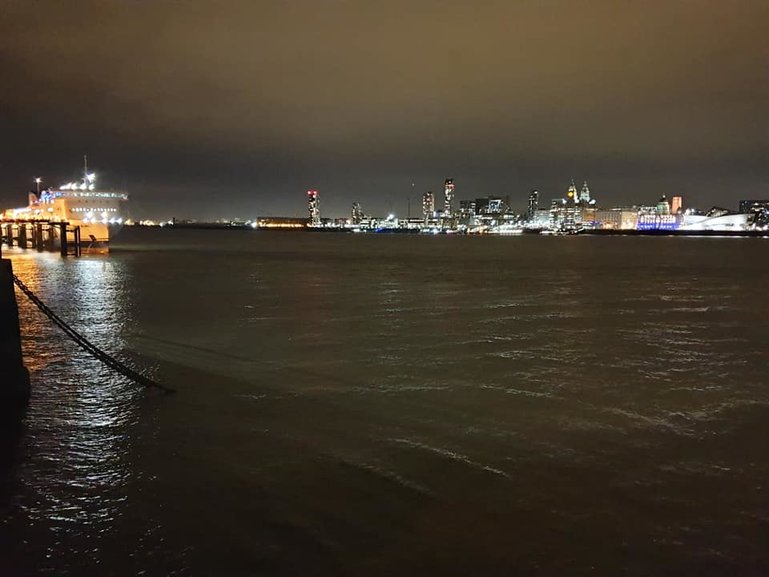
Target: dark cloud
{"x":223,"y":108}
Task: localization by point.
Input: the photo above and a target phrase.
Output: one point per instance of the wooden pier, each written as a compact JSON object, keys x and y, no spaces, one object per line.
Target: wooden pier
{"x":42,"y":235}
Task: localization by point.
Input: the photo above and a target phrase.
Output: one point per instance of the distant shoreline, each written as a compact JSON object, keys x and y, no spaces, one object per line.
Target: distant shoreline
{"x":597,"y":232}
{"x":736,"y":233}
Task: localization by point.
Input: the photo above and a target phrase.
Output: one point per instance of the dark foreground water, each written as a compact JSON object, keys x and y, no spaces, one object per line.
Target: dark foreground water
{"x":387,"y":405}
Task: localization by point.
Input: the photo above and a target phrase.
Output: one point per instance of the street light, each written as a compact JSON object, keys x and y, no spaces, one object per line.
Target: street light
{"x":38,"y":180}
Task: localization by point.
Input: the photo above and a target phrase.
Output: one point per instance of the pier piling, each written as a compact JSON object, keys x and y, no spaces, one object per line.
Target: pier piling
{"x":39,"y":236}
{"x":14,"y":378}
{"x":22,"y":241}
{"x":8,"y":234}
{"x":63,"y":248}
{"x":42,"y":235}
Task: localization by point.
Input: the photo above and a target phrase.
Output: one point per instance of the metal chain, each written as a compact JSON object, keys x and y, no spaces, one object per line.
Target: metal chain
{"x":86,"y":345}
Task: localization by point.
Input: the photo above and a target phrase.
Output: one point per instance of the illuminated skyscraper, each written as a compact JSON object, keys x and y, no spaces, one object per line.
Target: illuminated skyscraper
{"x":428,"y":205}
{"x":357,"y":213}
{"x":448,"y":198}
{"x":676,"y":204}
{"x":313,"y":207}
{"x":533,"y":204}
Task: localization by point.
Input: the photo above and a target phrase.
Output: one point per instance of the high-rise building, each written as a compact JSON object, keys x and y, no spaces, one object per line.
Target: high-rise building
{"x":428,"y":205}
{"x":533,"y":204}
{"x":676,"y":204}
{"x":313,"y":207}
{"x":357,"y":213}
{"x":557,"y":210}
{"x":448,"y":198}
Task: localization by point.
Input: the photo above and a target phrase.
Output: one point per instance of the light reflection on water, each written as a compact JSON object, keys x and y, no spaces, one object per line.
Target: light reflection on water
{"x":73,"y":472}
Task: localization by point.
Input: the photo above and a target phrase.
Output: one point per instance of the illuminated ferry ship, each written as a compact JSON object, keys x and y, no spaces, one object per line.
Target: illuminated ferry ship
{"x":98,"y":213}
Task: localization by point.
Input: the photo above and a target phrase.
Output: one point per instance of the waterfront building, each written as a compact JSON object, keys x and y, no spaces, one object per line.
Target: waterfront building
{"x":562,"y":212}
{"x":750,"y":206}
{"x":491,"y":205}
{"x":587,"y":217}
{"x":569,"y":220}
{"x":541,"y":219}
{"x":448,"y":198}
{"x":584,"y":195}
{"x":676,"y":204}
{"x":357,"y":213}
{"x":428,"y":206}
{"x":571,"y":194}
{"x":556,"y":210}
{"x":663,"y":206}
{"x":533,"y":204}
{"x":576,"y":211}
{"x":313,"y":206}
{"x":657,"y":216}
{"x":657,"y":221}
{"x":467,"y":208}
{"x":616,"y":219}
{"x":281,"y":222}
{"x":758,"y":210}
{"x":716,"y":219}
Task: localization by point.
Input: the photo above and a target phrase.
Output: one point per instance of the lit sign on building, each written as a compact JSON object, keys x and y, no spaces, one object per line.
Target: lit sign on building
{"x":657,"y":222}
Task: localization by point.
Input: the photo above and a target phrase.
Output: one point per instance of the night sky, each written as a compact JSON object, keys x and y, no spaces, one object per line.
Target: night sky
{"x":236,"y":108}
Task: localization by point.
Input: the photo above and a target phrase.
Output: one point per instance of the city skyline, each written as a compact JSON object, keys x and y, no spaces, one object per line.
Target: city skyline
{"x":202,"y":112}
{"x":413,"y":204}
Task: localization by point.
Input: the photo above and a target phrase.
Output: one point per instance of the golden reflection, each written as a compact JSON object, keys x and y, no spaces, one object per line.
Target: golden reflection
{"x":81,"y":413}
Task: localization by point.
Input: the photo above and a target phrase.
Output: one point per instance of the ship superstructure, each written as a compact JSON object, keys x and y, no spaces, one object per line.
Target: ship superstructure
{"x":78,"y":203}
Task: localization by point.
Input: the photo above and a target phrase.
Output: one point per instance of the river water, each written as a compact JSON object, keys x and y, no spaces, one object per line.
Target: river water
{"x":394,"y":405}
